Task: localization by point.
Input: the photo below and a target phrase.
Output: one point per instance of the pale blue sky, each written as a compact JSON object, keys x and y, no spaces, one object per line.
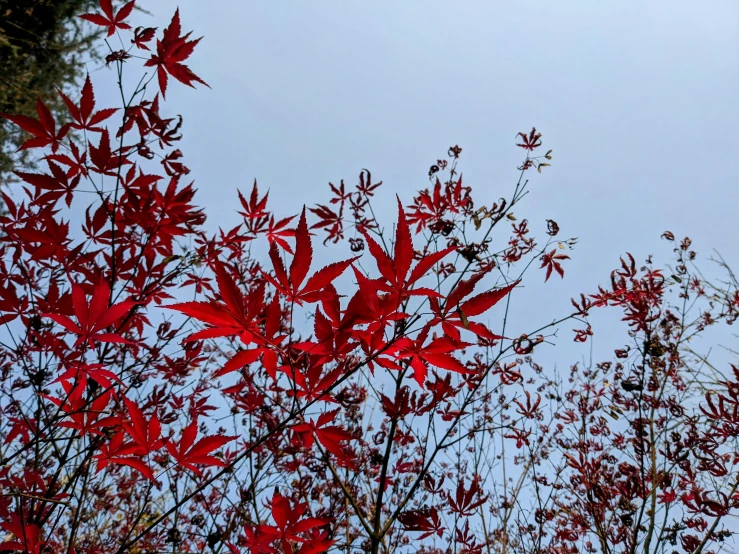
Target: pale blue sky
{"x":638,"y":100}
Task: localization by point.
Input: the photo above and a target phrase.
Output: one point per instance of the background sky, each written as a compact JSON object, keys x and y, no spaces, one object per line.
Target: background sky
{"x":637,"y":99}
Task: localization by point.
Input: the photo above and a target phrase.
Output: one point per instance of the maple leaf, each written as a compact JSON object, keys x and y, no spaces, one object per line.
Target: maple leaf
{"x":172,"y":50}
{"x":234,"y":316}
{"x":188,"y":453}
{"x":530,"y":409}
{"x":43,"y":129}
{"x":330,"y":436}
{"x":241,"y":359}
{"x":104,"y":159}
{"x":76,"y":165}
{"x":289,"y":526}
{"x":330,"y":220}
{"x":142,"y":36}
{"x":426,"y":520}
{"x":256,"y":216}
{"x":51,"y":234}
{"x":317,"y":542}
{"x":521,"y":436}
{"x":254,"y":209}
{"x":551,"y":262}
{"x":431,"y":209}
{"x":22,"y":428}
{"x":84,"y":415}
{"x":530,"y":142}
{"x":9,"y":301}
{"x":437,"y":353}
{"x":84,"y":118}
{"x":81,"y":372}
{"x":395,"y":271}
{"x":146,"y":438}
{"x":290,"y":284}
{"x":95,"y":316}
{"x":332,"y":343}
{"x":277,"y":230}
{"x":146,"y":435}
{"x":109,"y":18}
{"x":400,"y":407}
{"x":116,"y":451}
{"x":466,"y":501}
{"x":26,"y":536}
{"x":57,"y":184}
{"x":453,"y":313}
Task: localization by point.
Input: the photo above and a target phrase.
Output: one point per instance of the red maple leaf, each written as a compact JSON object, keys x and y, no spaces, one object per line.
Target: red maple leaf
{"x":95,"y":316}
{"x":81,"y":372}
{"x":109,"y":18}
{"x":292,"y":285}
{"x":332,"y":342}
{"x":78,"y":165}
{"x":255,"y":209}
{"x":452,"y":313}
{"x":234,"y":316}
{"x":145,"y":439}
{"x":172,"y":50}
{"x":9,"y":301}
{"x":437,"y":353}
{"x":188,"y":453}
{"x":426,"y":520}
{"x":466,"y":501}
{"x":116,"y":451}
{"x":23,"y":428}
{"x":395,"y":271}
{"x":104,"y":159}
{"x":142,"y":35}
{"x":430,"y":209}
{"x":277,"y":231}
{"x":26,"y":536}
{"x":43,"y":129}
{"x":530,"y":142}
{"x":330,"y":436}
{"x":314,"y":383}
{"x":146,"y":435}
{"x":551,"y":262}
{"x":84,"y":414}
{"x":84,"y":118}
{"x":57,"y":184}
{"x":289,"y":527}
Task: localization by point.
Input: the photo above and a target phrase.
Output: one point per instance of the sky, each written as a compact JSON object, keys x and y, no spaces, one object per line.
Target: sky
{"x":637,"y":100}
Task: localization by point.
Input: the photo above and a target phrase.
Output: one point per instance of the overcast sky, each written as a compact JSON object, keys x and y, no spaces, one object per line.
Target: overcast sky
{"x":637,"y":99}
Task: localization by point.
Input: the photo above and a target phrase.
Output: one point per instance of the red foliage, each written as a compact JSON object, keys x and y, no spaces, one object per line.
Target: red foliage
{"x":158,"y":382}
{"x":109,"y":18}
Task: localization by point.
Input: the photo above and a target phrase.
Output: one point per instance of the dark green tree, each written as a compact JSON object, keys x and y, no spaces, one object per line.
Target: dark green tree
{"x":43,"y":45}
